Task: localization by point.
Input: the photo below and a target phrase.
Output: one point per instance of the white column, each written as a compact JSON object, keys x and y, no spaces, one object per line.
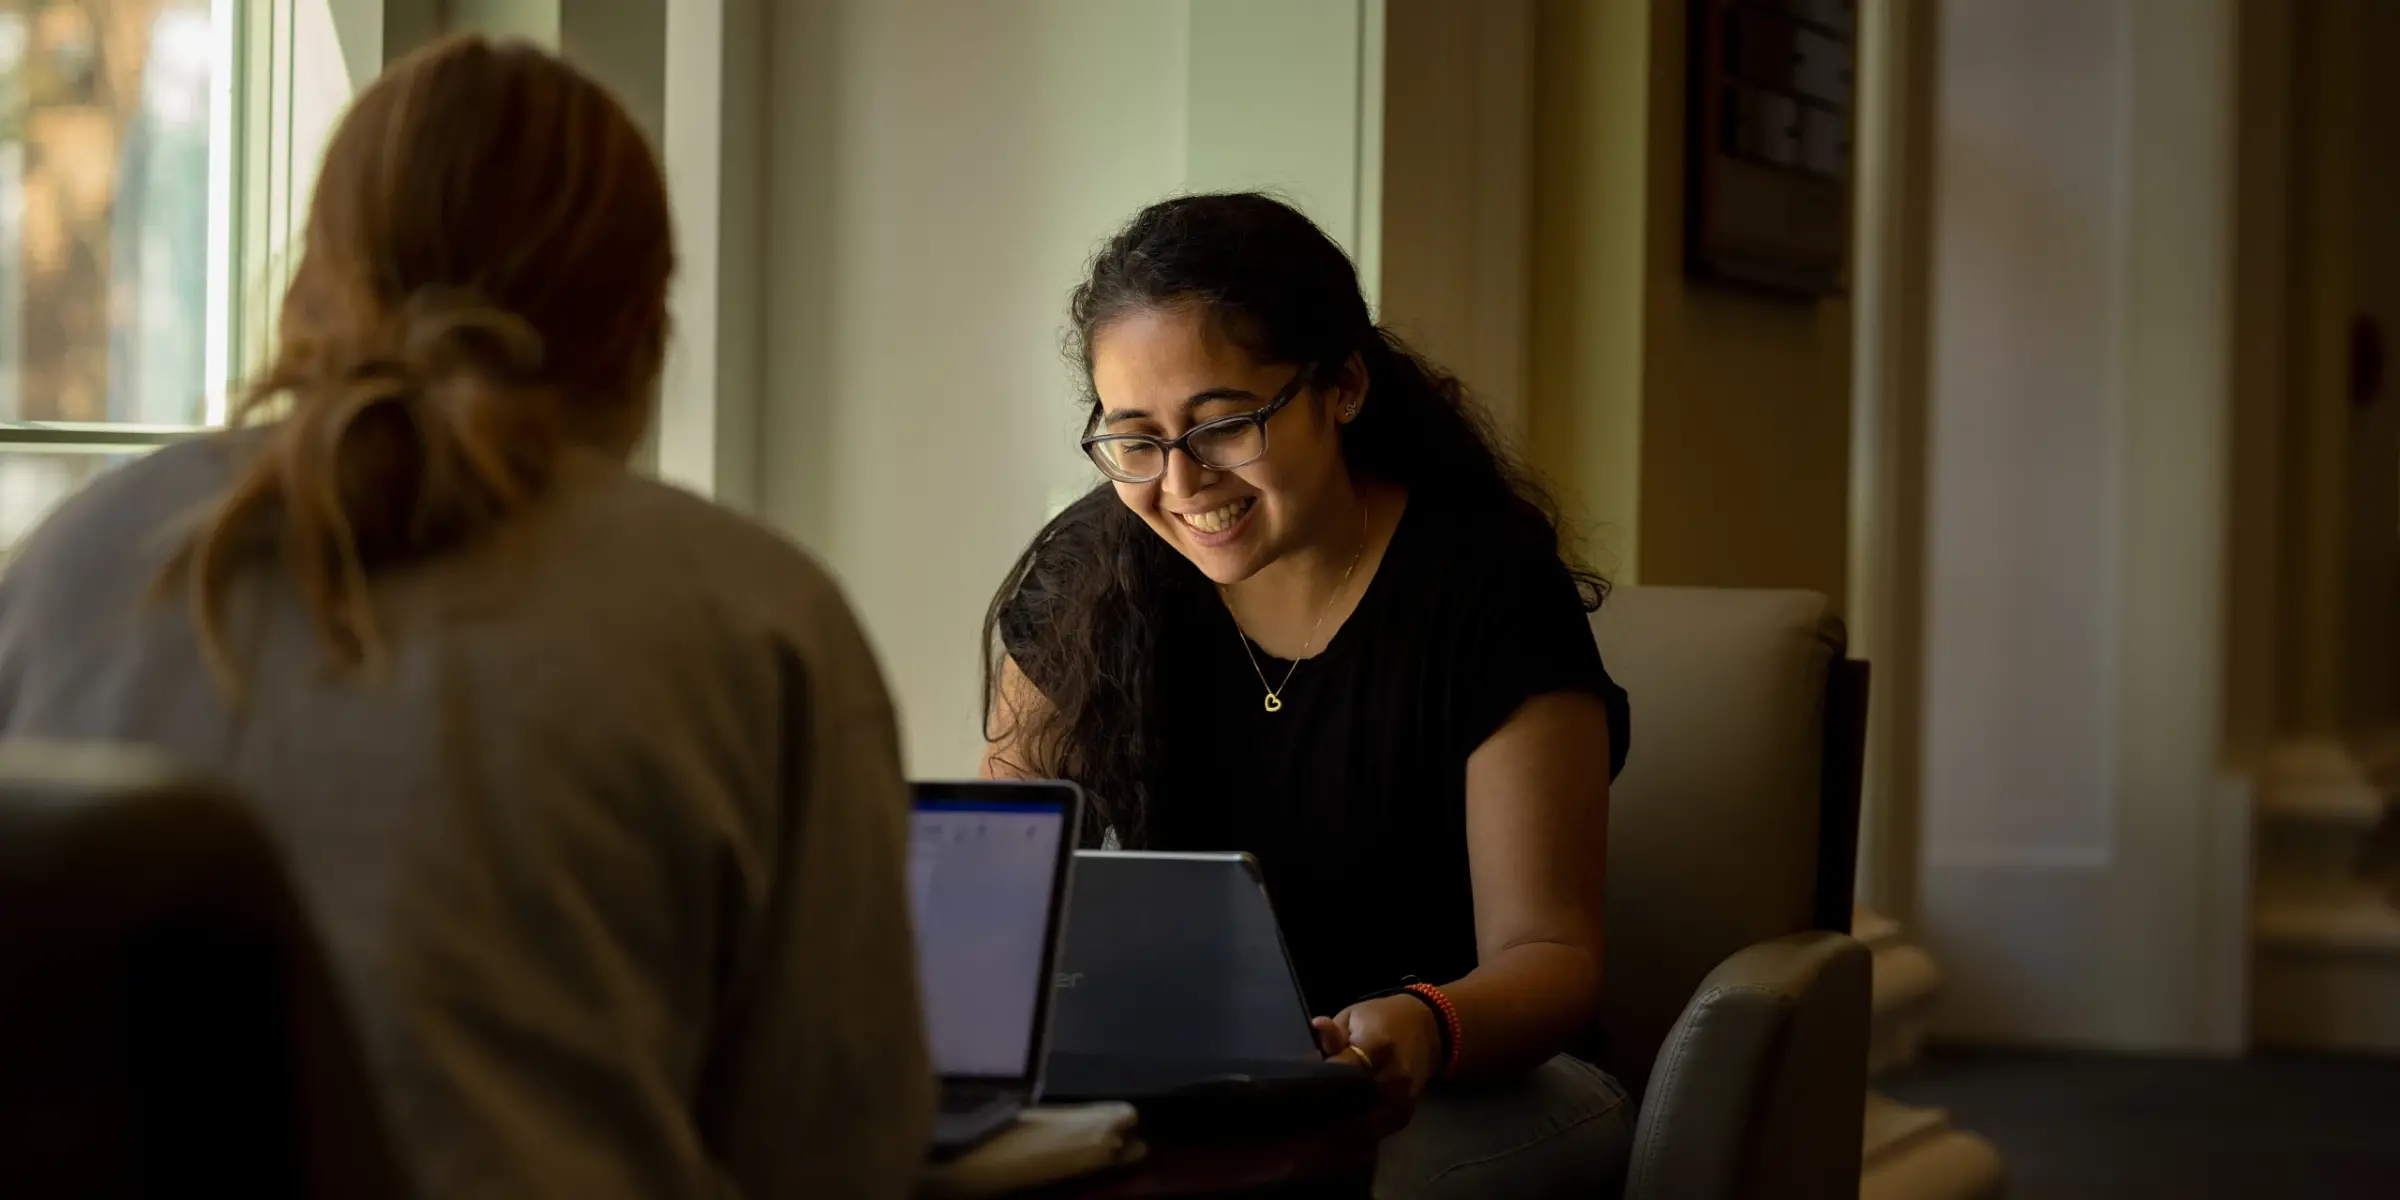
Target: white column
{"x":2078,"y":399}
{"x":713,"y":137}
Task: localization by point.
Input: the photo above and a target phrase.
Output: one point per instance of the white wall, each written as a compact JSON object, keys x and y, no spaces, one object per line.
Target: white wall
{"x":2077,"y":404}
{"x":535,"y":20}
{"x":1286,"y":96}
{"x":937,"y":174}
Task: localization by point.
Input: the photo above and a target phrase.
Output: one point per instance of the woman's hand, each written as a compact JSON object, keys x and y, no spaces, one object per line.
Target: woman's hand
{"x":1400,"y":1038}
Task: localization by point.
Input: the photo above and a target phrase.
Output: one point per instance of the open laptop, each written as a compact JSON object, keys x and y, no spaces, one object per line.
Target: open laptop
{"x":988,"y":865}
{"x":1175,"y":990}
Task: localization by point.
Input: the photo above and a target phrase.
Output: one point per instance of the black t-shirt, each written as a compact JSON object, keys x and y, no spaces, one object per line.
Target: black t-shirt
{"x":1353,"y":797}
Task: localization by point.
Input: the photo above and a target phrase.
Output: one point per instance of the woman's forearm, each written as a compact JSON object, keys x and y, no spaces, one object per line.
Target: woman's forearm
{"x":1523,"y":1005}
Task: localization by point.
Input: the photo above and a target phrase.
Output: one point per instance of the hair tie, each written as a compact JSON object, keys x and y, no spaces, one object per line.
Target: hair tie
{"x":447,"y":331}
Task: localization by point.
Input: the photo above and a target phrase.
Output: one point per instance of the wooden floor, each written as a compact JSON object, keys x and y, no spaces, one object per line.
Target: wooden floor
{"x":2071,"y":1126}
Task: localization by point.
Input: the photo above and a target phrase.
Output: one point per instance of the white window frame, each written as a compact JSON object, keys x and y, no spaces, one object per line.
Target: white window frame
{"x":268,"y":117}
{"x":295,"y":65}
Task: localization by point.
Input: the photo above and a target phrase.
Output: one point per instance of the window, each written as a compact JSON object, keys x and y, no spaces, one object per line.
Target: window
{"x":150,"y":155}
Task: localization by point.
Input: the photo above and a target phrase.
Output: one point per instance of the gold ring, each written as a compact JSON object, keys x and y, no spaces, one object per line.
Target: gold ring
{"x":1364,"y":1059}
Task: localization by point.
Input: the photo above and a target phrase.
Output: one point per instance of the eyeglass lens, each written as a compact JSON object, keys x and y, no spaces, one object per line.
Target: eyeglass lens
{"x":1219,"y":447}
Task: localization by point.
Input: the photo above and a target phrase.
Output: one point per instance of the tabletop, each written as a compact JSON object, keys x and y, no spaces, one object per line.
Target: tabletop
{"x":1333,"y":1163}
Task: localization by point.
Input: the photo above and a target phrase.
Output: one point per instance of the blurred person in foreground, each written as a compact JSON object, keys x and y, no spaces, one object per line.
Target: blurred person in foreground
{"x":592,"y":787}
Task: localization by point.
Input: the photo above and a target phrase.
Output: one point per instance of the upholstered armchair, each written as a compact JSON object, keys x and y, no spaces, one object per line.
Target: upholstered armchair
{"x":1736,"y":1004}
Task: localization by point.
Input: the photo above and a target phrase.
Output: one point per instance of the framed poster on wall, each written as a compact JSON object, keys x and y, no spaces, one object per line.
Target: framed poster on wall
{"x":1769,"y":120}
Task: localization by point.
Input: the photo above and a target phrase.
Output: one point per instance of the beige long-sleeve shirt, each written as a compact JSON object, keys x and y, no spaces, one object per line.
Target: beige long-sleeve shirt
{"x":610,"y":861}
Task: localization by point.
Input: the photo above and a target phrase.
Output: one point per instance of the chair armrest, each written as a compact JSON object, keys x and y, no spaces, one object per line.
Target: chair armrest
{"x":1760,"y":1087}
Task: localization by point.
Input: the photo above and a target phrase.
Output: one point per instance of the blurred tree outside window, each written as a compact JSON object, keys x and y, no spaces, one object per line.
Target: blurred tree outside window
{"x":105,"y":235}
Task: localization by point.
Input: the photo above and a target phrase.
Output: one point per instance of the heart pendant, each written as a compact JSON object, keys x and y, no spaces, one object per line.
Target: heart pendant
{"x":1274,"y":702}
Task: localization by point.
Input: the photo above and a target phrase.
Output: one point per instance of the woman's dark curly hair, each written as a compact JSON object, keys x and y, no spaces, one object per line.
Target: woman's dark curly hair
{"x":1081,"y":611}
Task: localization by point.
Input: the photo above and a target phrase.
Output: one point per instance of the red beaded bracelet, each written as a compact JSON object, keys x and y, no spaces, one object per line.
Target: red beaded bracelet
{"x":1448,"y":1013}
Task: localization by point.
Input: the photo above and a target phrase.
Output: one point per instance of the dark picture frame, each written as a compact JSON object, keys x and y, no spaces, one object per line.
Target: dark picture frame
{"x":1770,"y":121}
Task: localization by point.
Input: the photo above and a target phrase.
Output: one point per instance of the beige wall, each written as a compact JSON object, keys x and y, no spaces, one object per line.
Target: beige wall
{"x":1591,"y":151}
{"x":1457,"y":191}
{"x":1746,"y":430}
{"x":2315,"y":461}
{"x":2345,"y":627}
{"x":1701,"y":431}
{"x":2372,"y":693}
{"x":2255,"y":602}
{"x":2316,"y":629}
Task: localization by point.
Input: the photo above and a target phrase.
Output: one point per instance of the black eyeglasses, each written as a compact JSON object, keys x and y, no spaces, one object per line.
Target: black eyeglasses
{"x":1219,"y":445}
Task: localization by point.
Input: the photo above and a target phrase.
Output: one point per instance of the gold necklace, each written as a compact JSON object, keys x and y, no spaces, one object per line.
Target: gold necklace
{"x":1274,"y":703}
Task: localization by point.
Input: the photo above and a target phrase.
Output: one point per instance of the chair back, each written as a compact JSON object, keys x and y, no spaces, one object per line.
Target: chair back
{"x":168,"y":1025}
{"x":1733,"y":822}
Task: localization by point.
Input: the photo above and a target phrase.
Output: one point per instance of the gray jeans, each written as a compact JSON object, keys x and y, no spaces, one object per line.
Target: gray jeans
{"x":1562,"y":1129}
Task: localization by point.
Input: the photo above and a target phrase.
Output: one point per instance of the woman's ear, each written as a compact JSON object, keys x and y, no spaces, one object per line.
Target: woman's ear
{"x":1350,"y":390}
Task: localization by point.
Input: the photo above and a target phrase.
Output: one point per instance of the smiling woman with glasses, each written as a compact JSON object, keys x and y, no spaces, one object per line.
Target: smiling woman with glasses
{"x":1314,"y":612}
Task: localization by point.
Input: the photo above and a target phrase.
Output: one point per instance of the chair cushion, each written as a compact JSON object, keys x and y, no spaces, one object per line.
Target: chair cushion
{"x":1714,"y":823}
{"x":1743,"y":1103}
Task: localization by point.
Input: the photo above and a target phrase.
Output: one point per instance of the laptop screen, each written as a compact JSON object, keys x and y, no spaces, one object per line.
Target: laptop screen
{"x":986,"y":872}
